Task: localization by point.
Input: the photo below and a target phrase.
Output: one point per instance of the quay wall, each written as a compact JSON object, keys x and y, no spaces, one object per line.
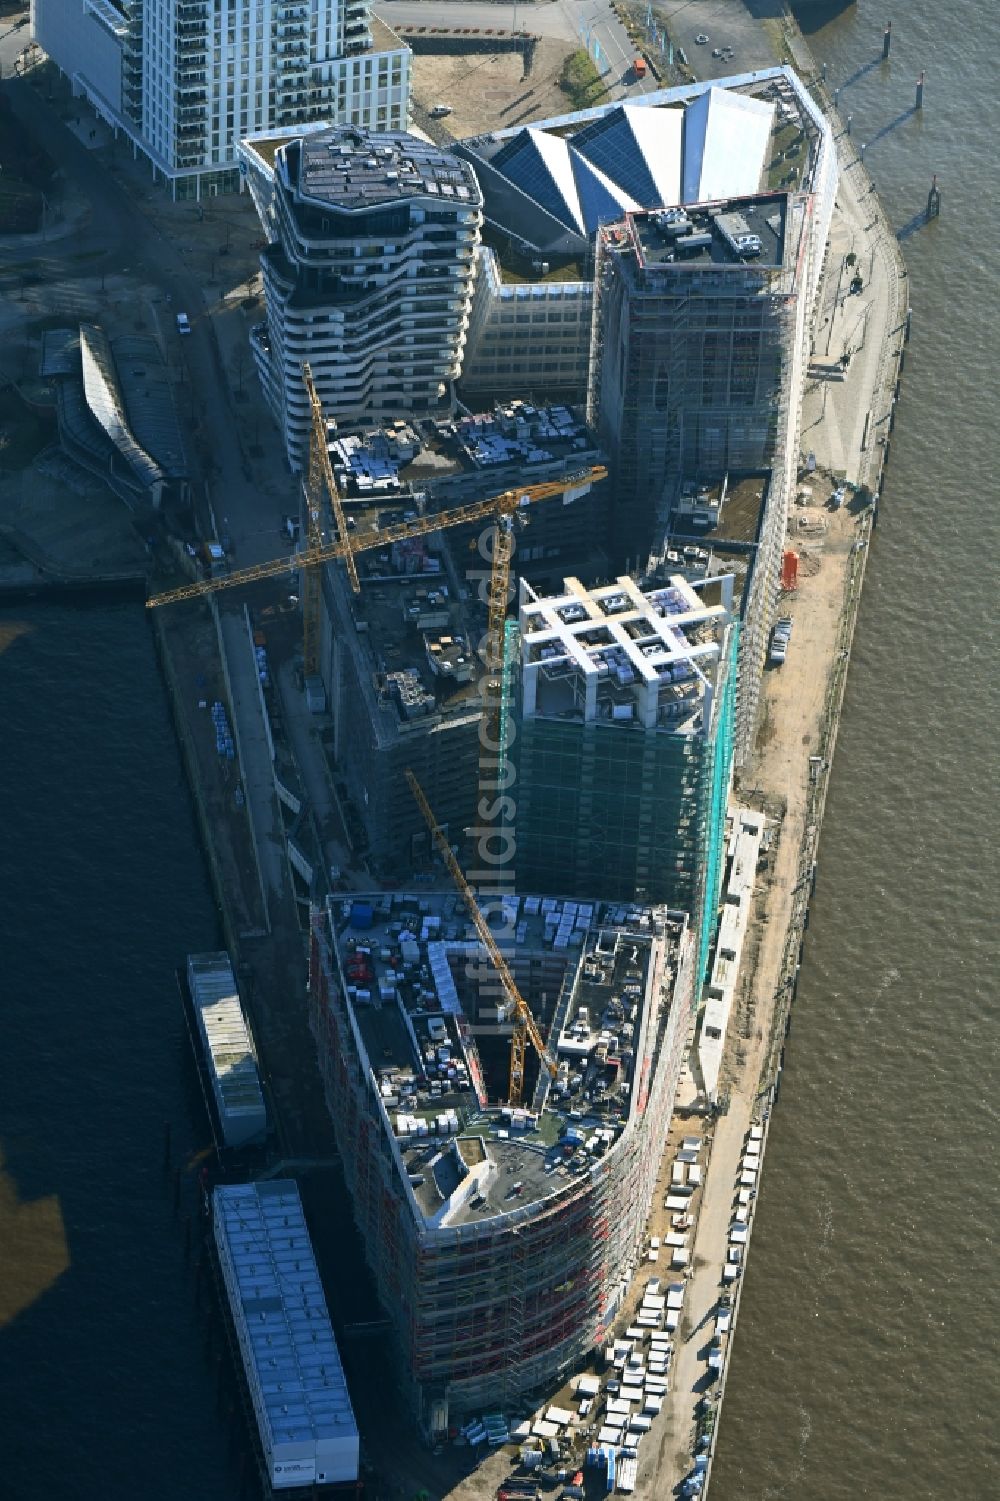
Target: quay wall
{"x":872,"y":473}
{"x":190,"y":759}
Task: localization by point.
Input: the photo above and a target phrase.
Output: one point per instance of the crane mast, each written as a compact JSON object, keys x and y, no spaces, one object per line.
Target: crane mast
{"x":501,"y":510}
{"x":319,"y":477}
{"x":327,"y":552}
{"x":524,"y":1022}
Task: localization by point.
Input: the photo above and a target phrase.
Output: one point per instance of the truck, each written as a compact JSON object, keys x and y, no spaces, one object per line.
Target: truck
{"x":639,"y":67}
{"x":628,"y":1469}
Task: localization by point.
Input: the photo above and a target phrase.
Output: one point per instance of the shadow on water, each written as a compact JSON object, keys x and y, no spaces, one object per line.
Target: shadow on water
{"x":892,"y":125}
{"x":104,"y":887}
{"x":813,"y":15}
{"x":765,"y":10}
{"x":912,"y":226}
{"x":860,"y":73}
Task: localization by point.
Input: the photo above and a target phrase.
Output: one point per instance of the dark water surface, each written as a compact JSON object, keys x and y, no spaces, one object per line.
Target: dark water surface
{"x":105,"y":1389}
{"x":866,"y":1358}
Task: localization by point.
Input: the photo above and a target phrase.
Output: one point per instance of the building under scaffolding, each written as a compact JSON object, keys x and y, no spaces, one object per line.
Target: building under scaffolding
{"x":690,"y":338}
{"x":502,"y":1240}
{"x":624,"y":742}
{"x":695,"y":372}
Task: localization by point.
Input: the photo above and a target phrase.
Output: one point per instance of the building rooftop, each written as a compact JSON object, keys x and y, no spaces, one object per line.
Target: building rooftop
{"x":730,"y":511}
{"x":352,"y":168}
{"x":618,"y":654}
{"x":106,"y":401}
{"x":551,"y":185}
{"x":414,"y":634}
{"x":516,"y":438}
{"x":515,"y":434}
{"x":743,"y":232}
{"x":598,"y":977}
{"x":384,"y":39}
{"x":231,"y":1059}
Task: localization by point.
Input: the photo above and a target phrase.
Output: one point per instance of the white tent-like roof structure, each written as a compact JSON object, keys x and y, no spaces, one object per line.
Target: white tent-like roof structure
{"x":640,"y":149}
{"x":551,"y":171}
{"x":635,"y":156}
{"x":725,"y":143}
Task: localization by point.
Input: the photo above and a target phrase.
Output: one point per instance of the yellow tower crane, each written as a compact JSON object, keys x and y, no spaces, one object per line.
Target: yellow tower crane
{"x":319,"y":477}
{"x":314,"y":554}
{"x":525,"y":1025}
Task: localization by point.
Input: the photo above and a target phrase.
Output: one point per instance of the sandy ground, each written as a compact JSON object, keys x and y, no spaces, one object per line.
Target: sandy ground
{"x":797,"y":722}
{"x":489,"y":91}
{"x":793,"y":702}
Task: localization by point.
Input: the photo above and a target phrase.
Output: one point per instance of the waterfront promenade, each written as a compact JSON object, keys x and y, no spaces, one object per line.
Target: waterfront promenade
{"x":845,"y":426}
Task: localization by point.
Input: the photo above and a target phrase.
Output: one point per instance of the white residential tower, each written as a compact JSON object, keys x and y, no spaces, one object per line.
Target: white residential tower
{"x":367,"y":275}
{"x":186,"y":79}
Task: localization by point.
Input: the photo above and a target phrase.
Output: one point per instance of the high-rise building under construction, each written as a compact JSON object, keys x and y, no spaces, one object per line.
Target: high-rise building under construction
{"x":694,"y":325}
{"x":623,"y":742}
{"x":502,"y":1239}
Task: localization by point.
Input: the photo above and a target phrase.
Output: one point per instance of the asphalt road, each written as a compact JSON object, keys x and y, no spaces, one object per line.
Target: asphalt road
{"x":566,"y":20}
{"x":132,"y":243}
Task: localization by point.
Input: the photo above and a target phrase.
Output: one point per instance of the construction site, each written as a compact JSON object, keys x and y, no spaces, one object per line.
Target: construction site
{"x":502,"y":1237}
{"x":500,"y":1088}
{"x":625,"y":741}
{"x":698,"y":316}
{"x":502,"y":1095}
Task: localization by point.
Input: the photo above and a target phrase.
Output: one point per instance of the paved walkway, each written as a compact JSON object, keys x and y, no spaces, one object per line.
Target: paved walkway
{"x":254,"y":755}
{"x":795,"y":706}
{"x":840,"y":424}
{"x":303,"y":731}
{"x":793,"y":702}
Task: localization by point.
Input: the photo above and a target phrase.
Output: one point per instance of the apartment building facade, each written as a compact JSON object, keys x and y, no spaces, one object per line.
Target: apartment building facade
{"x":367,"y":275}
{"x":185,"y":80}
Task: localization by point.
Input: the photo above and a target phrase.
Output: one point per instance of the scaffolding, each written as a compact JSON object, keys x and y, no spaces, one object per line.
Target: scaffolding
{"x":489,"y":1312}
{"x":694,"y":373}
{"x":625,"y":744}
{"x":717,"y":778}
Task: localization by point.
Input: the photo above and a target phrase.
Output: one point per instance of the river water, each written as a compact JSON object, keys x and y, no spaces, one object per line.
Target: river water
{"x":106,"y":1393}
{"x":865,"y":1362}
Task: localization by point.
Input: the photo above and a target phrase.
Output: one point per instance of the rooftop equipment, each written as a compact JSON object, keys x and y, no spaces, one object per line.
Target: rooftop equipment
{"x":524,"y":1023}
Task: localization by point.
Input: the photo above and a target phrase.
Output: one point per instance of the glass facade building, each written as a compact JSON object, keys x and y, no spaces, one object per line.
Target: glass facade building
{"x":620,"y":776}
